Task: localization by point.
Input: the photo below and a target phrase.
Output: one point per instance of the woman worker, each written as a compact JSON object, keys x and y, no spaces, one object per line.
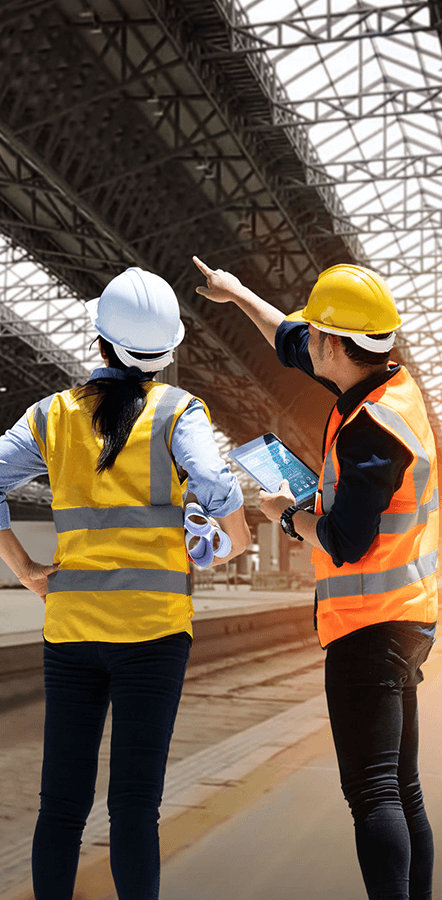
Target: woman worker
{"x":118,"y":605}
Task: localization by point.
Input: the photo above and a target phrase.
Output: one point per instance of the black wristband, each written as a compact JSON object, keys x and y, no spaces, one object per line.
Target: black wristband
{"x":286,"y":522}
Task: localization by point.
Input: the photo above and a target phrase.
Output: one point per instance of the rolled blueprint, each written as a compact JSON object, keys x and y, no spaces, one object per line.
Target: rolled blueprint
{"x":204,"y":540}
{"x":195,"y":520}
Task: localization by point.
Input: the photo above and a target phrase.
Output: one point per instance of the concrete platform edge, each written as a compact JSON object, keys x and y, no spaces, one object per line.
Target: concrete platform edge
{"x":217,"y":634}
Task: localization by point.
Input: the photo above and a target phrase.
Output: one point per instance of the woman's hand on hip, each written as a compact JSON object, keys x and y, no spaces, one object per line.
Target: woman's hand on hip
{"x":35,"y":578}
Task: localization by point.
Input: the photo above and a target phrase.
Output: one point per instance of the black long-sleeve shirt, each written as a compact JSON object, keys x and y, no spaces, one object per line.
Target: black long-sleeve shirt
{"x":372,"y":461}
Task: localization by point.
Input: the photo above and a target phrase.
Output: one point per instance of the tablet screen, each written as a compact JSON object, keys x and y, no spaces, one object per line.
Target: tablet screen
{"x":268,"y":461}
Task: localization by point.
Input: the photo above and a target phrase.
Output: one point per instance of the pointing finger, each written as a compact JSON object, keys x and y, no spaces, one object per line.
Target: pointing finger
{"x":202,"y":266}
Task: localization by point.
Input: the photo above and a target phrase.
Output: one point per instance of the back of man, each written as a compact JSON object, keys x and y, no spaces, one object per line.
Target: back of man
{"x":375,"y":538}
{"x":395,"y":578}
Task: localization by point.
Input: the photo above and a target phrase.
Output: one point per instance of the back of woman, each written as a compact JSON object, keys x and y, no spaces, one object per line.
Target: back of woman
{"x":119,"y":452}
{"x":124,"y":570}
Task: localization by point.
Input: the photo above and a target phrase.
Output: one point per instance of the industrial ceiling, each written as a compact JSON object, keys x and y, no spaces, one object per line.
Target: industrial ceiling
{"x":141,"y":132}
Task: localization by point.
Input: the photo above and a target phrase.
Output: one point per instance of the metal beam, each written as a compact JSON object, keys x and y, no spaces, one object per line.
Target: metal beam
{"x":295,"y":31}
{"x":125,"y":143}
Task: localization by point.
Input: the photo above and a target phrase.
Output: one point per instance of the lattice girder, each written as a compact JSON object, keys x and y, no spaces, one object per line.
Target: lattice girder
{"x":144,"y":131}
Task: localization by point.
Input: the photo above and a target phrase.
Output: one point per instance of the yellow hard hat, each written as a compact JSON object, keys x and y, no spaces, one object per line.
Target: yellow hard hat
{"x":350,"y":300}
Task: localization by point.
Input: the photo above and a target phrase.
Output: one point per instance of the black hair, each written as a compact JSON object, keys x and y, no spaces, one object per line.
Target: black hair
{"x":362,"y":357}
{"x":359,"y":355}
{"x":119,"y":403}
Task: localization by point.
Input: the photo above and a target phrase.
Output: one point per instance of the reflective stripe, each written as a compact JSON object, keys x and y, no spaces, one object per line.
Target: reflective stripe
{"x":377,"y":582}
{"x":119,"y":580}
{"x":41,"y":412}
{"x":400,"y":523}
{"x":160,"y":458}
{"x":118,"y":517}
{"x":328,"y":483}
{"x":171,"y":401}
{"x":421,"y":471}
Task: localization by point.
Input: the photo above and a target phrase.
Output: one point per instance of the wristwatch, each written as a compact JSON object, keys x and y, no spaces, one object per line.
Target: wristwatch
{"x":287,"y":525}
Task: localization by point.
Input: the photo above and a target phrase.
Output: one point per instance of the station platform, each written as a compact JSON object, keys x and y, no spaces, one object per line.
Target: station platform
{"x":229,"y":624}
{"x":293,"y":836}
{"x":260,"y":813}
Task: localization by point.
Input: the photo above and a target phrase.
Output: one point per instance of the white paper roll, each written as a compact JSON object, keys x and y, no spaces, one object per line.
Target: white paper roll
{"x":202,"y":552}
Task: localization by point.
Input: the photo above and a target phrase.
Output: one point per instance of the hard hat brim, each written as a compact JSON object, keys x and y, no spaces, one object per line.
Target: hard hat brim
{"x":92,"y":309}
{"x":299,"y":316}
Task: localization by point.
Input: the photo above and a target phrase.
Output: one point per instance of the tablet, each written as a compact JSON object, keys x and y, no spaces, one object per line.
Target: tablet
{"x":269,"y":461}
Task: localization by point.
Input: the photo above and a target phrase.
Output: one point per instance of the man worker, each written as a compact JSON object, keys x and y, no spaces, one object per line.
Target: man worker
{"x":375,"y":539}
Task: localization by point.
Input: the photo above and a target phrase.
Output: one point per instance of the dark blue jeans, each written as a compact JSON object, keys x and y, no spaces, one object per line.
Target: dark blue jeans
{"x":144,"y":682}
{"x":371,"y":679}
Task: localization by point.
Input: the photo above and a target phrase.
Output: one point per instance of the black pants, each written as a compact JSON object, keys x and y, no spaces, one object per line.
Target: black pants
{"x":144,"y":682}
{"x":371,"y":679}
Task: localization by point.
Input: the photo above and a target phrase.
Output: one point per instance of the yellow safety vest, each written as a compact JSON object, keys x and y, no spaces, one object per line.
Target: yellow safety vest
{"x":395,"y":579}
{"x":124,"y":569}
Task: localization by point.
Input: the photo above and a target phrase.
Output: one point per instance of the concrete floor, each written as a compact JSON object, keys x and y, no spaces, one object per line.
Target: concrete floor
{"x":291,"y":837}
{"x":219,"y":700}
{"x":296,"y":842}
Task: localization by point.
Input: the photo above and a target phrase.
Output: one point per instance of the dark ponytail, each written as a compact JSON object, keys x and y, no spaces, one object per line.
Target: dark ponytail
{"x":118,"y":404}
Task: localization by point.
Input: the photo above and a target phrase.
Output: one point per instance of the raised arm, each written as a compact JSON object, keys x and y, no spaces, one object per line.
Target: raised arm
{"x":223,"y":287}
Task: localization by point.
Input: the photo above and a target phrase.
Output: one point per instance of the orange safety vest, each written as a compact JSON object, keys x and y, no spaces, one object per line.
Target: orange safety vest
{"x":124,"y":569}
{"x":395,"y":579}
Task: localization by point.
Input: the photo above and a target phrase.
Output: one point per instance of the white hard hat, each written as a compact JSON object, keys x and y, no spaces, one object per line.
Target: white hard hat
{"x":138,"y":311}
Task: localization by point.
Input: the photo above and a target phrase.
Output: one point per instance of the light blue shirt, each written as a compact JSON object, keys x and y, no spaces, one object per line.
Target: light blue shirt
{"x":193,"y":447}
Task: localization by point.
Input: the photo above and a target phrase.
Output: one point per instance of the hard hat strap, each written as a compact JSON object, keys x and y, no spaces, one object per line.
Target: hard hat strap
{"x":154,"y":364}
{"x":383,"y":345}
